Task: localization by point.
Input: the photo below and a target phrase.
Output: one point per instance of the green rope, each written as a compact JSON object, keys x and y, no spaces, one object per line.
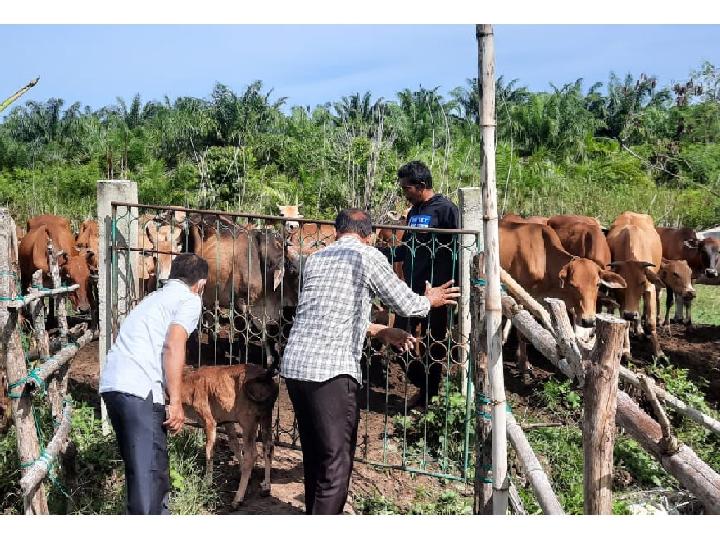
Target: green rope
{"x":31,"y":376}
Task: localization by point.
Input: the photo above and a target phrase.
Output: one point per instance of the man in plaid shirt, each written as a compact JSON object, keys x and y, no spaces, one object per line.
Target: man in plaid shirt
{"x":321,"y":364}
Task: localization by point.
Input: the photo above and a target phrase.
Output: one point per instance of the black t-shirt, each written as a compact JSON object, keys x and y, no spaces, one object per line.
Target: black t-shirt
{"x":429,"y":256}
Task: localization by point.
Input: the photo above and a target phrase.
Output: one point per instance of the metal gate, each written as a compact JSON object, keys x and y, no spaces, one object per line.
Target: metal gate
{"x":248,"y":307}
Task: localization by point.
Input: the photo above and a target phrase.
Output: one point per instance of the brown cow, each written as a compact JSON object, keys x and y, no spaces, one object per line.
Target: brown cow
{"x":306,"y":238}
{"x":392,"y":238}
{"x":74,"y":266}
{"x":165,"y":235}
{"x":241,"y":396}
{"x":234,"y":278}
{"x":703,"y":255}
{"x":677,"y":276}
{"x":88,"y":239}
{"x":515,"y":218}
{"x":535,"y":257}
{"x":582,"y":236}
{"x":636,"y":250}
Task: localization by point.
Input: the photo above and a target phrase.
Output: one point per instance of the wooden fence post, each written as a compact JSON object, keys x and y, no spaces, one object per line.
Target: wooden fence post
{"x":11,"y":347}
{"x":600,"y":402}
{"x":483,"y":428}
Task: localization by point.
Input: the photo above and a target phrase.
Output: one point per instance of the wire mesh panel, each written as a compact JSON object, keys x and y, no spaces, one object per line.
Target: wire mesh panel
{"x":415,"y":415}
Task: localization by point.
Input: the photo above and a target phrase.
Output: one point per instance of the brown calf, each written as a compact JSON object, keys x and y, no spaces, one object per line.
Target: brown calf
{"x":242,"y":396}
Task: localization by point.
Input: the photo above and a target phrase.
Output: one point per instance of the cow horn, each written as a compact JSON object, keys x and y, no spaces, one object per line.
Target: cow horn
{"x":645,"y":264}
{"x":616,"y":263}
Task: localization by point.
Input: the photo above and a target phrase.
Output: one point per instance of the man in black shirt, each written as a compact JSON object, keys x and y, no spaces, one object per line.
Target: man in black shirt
{"x":427,"y":257}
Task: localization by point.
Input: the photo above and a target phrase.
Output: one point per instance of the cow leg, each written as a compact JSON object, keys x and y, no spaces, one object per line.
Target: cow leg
{"x":235,"y":441}
{"x":210,"y":435}
{"x":688,"y":308}
{"x":249,"y":430}
{"x":678,"y":309}
{"x":669,"y":300}
{"x":522,"y":360}
{"x":626,"y":354}
{"x":268,"y":448}
{"x":650,"y":308}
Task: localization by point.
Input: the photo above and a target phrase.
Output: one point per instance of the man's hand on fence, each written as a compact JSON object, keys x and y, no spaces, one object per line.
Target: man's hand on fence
{"x":443,"y":294}
{"x":175,"y":417}
{"x":397,"y":338}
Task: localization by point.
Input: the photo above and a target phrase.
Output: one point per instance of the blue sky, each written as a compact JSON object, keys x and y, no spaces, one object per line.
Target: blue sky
{"x":313,"y":64}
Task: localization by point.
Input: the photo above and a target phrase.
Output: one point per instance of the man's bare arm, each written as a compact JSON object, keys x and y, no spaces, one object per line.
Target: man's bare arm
{"x":174,"y":362}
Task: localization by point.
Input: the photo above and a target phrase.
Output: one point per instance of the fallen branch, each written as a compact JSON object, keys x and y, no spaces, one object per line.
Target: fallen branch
{"x":566,"y":340}
{"x":36,"y":294}
{"x":515,"y":501}
{"x":533,"y":470}
{"x":540,"y":337}
{"x":538,"y":425}
{"x":515,"y":290}
{"x":55,"y":362}
{"x":40,"y":467}
{"x":678,"y":405}
{"x":668,"y":443}
{"x":692,"y":472}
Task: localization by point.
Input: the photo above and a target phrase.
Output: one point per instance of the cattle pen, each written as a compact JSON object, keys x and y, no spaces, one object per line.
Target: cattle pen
{"x":51,"y":358}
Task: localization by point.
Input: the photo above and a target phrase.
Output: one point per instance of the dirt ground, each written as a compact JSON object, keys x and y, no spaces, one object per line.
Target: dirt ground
{"x":287,"y":472}
{"x":697,"y":349}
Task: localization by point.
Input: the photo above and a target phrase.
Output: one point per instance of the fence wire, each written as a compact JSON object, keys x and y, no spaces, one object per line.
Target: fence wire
{"x":255,"y":277}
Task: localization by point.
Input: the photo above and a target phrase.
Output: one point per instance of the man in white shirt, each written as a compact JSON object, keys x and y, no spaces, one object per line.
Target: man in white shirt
{"x":144,"y":363}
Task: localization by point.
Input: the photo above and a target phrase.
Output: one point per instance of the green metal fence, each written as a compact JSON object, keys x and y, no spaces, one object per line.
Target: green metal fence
{"x":248,"y":308}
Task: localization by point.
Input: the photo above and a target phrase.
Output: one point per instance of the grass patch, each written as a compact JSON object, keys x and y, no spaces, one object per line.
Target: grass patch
{"x":706,"y":307}
{"x":100,"y":484}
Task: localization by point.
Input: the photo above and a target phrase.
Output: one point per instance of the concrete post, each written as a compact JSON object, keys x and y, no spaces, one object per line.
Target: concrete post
{"x":470,"y":199}
{"x":126,"y":234}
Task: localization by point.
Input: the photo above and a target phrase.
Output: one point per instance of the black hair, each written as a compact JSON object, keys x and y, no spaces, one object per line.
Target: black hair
{"x":189,"y":268}
{"x":416,"y":173}
{"x":354,"y":220}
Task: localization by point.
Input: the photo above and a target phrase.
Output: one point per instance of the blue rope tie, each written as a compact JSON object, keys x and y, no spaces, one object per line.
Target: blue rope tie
{"x":31,"y":376}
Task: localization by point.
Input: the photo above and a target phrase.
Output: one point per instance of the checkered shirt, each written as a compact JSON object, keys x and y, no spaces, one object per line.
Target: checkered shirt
{"x":333,"y":314}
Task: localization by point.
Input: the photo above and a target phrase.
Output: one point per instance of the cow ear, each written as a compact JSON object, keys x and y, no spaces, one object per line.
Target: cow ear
{"x":563,"y":276}
{"x":612,"y":280}
{"x":653,"y":277}
{"x":277,"y":277}
{"x":62,"y":259}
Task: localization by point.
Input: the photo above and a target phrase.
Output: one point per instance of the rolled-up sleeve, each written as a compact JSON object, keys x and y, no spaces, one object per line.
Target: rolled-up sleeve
{"x":392,"y":291}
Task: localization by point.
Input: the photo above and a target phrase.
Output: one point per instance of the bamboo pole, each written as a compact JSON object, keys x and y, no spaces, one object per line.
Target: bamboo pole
{"x":600,"y":402}
{"x":539,"y":481}
{"x":483,"y":452}
{"x":11,"y":348}
{"x":9,"y":101}
{"x":493,"y":309}
{"x":470,"y":202}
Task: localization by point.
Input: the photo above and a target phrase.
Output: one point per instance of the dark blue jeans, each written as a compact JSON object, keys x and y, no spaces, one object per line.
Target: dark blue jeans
{"x":138,"y":425}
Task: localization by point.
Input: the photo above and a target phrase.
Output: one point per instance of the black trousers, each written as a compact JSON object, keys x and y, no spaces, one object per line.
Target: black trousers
{"x":426,"y":371}
{"x":138,"y":425}
{"x":327,"y":414}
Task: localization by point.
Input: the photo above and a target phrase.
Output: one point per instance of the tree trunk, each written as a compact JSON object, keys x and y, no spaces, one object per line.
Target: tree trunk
{"x":600,"y":401}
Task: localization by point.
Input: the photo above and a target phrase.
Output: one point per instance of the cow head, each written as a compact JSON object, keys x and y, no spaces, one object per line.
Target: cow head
{"x":710,"y":253}
{"x":581,"y":279}
{"x":677,"y":275}
{"x":166,"y":241}
{"x":290,"y":211}
{"x":78,"y":269}
{"x":639,"y":277}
